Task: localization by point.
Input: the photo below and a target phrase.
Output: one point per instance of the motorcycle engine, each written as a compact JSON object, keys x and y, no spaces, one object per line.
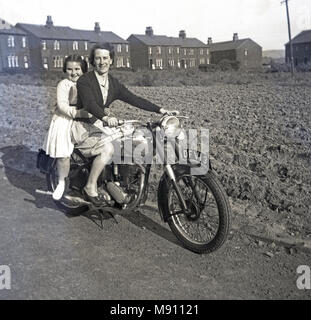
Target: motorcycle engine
{"x":117,"y":193}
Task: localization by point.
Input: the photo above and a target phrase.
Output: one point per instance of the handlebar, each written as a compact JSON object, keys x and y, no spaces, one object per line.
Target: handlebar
{"x":124,"y":122}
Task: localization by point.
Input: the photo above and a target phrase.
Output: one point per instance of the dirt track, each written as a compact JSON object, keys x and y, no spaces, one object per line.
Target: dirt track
{"x":53,"y":256}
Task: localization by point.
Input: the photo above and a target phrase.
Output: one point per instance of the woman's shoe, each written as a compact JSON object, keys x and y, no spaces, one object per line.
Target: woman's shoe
{"x":96,"y":201}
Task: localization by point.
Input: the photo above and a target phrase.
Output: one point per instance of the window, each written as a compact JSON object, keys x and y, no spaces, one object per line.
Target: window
{"x":75,"y":45}
{"x":207,"y":51}
{"x":170,"y":50}
{"x":10,"y":65}
{"x":26,"y":65}
{"x":159,"y":50}
{"x":191,"y":52}
{"x":245,"y":52}
{"x":159,"y":63}
{"x":43,"y":43}
{"x":171,"y":62}
{"x":57,"y":62}
{"x":85,"y":45}
{"x":128,"y":64}
{"x":119,"y":48}
{"x":192,"y":63}
{"x":87,"y":59}
{"x":13,"y":61}
{"x":150,"y":50}
{"x":201,"y":51}
{"x":127,"y":48}
{"x":202,"y":61}
{"x":45,"y":63}
{"x":11,"y":41}
{"x":24,"y":42}
{"x":185,"y":52}
{"x":16,"y":61}
{"x":120,"y":62}
{"x":207,"y":61}
{"x":56,"y":45}
{"x":177,"y":50}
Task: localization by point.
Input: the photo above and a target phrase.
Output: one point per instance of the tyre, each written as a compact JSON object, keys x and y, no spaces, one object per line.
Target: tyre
{"x":205,"y":227}
{"x":66,"y":206}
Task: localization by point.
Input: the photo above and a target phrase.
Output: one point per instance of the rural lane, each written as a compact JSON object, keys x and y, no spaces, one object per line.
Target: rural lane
{"x":55,"y":256}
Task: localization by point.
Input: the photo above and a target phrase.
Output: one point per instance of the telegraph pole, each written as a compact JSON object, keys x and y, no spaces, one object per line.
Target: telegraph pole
{"x":290,"y":39}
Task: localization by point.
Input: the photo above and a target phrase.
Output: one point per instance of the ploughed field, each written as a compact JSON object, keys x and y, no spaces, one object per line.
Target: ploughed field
{"x":260,"y":138}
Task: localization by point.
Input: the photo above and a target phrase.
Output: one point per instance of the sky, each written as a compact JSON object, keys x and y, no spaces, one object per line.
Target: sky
{"x":264,"y":21}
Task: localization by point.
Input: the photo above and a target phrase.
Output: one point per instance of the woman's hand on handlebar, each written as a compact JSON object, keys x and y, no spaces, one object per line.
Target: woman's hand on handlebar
{"x":169,"y":112}
{"x":111,"y":121}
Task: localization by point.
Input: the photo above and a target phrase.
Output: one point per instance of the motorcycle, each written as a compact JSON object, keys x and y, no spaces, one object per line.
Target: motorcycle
{"x":195,"y":206}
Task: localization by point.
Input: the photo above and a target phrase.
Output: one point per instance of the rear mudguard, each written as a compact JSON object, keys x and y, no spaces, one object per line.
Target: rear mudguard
{"x":163,"y":188}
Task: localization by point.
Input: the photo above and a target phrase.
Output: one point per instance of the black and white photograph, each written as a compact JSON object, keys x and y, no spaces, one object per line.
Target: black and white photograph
{"x":155,"y":152}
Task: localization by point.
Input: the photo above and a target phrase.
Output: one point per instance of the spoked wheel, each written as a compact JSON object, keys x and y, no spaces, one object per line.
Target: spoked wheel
{"x":68,"y":206}
{"x":205,"y":226}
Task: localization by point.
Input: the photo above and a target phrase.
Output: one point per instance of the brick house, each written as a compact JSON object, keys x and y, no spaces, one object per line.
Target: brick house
{"x":149,"y":51}
{"x":50,"y":44}
{"x":301,"y":48}
{"x":14,"y":48}
{"x":246,"y":52}
{"x":121,"y":46}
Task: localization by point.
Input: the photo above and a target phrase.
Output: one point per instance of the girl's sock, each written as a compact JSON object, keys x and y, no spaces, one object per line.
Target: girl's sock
{"x":59,"y":191}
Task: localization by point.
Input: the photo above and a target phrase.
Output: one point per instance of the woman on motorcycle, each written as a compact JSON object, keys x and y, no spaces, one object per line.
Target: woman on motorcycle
{"x":96,"y":91}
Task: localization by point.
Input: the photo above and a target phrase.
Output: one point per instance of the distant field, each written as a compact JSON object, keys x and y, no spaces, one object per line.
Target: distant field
{"x":170,"y":78}
{"x":260,"y":129}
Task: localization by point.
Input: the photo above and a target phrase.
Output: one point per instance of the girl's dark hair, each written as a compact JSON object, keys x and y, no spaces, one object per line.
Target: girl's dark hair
{"x":105,"y":46}
{"x":75,"y":58}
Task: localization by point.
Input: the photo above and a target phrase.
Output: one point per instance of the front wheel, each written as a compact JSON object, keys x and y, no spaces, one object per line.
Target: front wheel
{"x":205,"y":227}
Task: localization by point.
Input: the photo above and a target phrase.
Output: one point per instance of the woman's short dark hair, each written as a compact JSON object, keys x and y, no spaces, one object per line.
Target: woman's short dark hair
{"x":75,"y":58}
{"x":105,"y":46}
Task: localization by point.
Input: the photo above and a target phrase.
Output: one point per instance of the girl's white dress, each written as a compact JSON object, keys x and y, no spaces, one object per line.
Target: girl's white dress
{"x":57,"y":142}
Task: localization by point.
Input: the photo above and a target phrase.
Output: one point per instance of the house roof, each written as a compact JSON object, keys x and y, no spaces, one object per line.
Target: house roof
{"x":302,"y":37}
{"x":67,"y":33}
{"x":102,"y":36}
{"x":228,"y":45}
{"x":7,"y":28}
{"x":13,"y":31}
{"x":161,"y":40}
{"x":53,"y":32}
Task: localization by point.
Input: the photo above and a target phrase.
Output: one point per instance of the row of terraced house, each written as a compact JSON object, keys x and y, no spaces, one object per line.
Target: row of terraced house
{"x":44,"y":47}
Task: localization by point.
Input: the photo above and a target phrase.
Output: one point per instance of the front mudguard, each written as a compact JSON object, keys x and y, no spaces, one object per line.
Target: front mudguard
{"x":163,"y":188}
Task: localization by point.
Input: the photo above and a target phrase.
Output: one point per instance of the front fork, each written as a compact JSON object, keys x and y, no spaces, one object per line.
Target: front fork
{"x":159,"y":147}
{"x":171,"y":175}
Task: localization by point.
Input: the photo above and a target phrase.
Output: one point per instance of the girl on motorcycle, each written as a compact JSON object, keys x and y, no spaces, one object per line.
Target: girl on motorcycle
{"x":57,"y":143}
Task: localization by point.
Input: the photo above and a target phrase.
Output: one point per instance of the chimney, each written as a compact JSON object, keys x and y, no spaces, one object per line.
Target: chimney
{"x":97,"y":27}
{"x":49,"y":22}
{"x":209,"y":40}
{"x":235,"y":37}
{"x":182,"y":34}
{"x":149,"y":31}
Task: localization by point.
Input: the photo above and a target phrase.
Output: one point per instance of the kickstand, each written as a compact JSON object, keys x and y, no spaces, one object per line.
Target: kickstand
{"x":101,"y":214}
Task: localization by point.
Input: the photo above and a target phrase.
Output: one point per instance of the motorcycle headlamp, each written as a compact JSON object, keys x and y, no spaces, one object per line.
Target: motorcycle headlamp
{"x":171,"y":126}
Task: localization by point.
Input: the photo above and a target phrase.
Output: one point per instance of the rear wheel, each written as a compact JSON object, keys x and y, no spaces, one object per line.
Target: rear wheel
{"x":65,"y":205}
{"x":205,"y":227}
